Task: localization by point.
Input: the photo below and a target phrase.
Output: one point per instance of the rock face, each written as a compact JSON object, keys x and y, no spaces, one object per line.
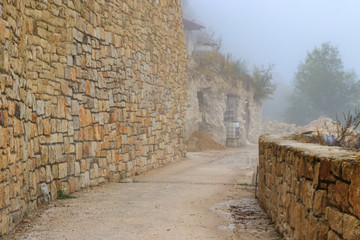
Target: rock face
{"x":210,"y":95}
{"x":89,"y":91}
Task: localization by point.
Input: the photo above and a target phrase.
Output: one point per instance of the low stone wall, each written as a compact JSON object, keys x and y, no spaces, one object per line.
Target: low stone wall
{"x":309,"y":191}
{"x":90,"y":91}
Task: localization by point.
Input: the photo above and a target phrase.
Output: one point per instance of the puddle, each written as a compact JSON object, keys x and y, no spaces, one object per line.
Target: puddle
{"x":245,"y":215}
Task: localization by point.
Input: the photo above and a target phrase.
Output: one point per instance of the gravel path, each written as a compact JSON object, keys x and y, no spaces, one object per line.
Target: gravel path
{"x":207,"y":196}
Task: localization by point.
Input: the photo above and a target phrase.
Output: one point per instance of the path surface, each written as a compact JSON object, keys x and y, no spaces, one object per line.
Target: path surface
{"x":204,"y":197}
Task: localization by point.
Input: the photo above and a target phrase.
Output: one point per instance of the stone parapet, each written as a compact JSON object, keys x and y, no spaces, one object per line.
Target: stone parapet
{"x":90,"y":92}
{"x":308,"y":190}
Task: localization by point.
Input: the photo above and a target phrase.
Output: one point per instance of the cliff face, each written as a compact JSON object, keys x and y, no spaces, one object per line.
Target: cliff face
{"x":90,"y":91}
{"x":215,"y":98}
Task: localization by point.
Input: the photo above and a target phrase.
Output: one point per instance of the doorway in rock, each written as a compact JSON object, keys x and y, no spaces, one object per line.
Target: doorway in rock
{"x":201,"y":100}
{"x":247,"y":118}
{"x":232,"y":125}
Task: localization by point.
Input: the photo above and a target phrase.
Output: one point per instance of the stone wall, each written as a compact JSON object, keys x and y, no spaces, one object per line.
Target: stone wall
{"x":90,"y":91}
{"x":310,"y":191}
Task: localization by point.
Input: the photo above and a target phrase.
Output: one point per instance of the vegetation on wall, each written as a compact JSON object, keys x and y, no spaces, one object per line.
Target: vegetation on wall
{"x":237,"y":71}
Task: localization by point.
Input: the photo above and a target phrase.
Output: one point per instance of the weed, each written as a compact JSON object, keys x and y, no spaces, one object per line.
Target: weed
{"x":63,"y":195}
{"x":122,"y":175}
{"x":270,"y":222}
{"x":243,"y":184}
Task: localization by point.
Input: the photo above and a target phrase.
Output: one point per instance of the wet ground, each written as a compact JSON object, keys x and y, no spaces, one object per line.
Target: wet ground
{"x":208,"y":196}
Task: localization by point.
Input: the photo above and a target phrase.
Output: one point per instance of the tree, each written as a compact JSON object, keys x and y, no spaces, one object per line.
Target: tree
{"x":322,"y":87}
{"x":264,"y":88}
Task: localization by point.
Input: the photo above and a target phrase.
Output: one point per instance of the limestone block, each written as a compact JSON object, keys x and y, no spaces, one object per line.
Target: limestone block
{"x":4,"y":133}
{"x":79,"y":148}
{"x":4,"y":159}
{"x":42,"y":174}
{"x":333,"y":236}
{"x":354,"y":191}
{"x":307,"y":193}
{"x":49,"y":175}
{"x":335,"y":219}
{"x":70,"y":165}
{"x":71,"y":181}
{"x":339,"y":195}
{"x":336,"y":167}
{"x":77,"y":169}
{"x":46,"y":126}
{"x":55,"y":171}
{"x":319,"y":202}
{"x":63,"y":169}
{"x":2,"y":30}
{"x":4,"y":222}
{"x":351,"y":227}
{"x":324,"y":171}
{"x":347,"y":169}
{"x":83,"y":166}
{"x":40,"y":107}
{"x":85,"y":179}
{"x":4,"y":61}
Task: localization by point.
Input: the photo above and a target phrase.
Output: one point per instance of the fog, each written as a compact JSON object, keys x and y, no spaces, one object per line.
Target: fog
{"x":281,"y":32}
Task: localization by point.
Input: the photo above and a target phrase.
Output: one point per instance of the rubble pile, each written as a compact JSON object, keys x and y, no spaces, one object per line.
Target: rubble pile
{"x":279,"y":128}
{"x":201,"y":141}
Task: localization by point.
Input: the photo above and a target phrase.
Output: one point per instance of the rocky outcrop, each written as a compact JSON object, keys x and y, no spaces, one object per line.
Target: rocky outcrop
{"x":209,"y":96}
{"x":90,"y":91}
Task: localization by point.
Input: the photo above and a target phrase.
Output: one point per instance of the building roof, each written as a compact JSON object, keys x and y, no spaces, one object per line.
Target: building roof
{"x":191,"y":25}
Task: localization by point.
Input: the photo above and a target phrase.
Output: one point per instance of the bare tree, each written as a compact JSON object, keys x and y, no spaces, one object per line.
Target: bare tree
{"x":346,"y":134}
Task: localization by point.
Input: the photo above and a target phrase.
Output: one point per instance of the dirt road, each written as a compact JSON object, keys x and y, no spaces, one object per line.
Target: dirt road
{"x":206,"y":196}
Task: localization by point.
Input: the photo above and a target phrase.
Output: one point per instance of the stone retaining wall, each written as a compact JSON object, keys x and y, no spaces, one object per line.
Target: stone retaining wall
{"x":90,"y":91}
{"x":310,"y":191}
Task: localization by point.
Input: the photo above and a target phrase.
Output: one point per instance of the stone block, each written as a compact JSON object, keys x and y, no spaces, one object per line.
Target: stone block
{"x":77,"y":168}
{"x":70,"y":165}
{"x":351,"y":227}
{"x":347,"y":169}
{"x":335,"y":219}
{"x":319,"y":202}
{"x":333,"y":236}
{"x":79,"y":147}
{"x":55,"y":171}
{"x":63,"y":169}
{"x":49,"y":175}
{"x":2,"y":30}
{"x":4,"y":137}
{"x":98,"y":132}
{"x":4,"y":61}
{"x":83,"y":167}
{"x":71,"y":181}
{"x":339,"y":195}
{"x":4,"y":159}
{"x":336,"y":167}
{"x":85,"y":179}
{"x":324,"y":171}
{"x":307,"y":193}
{"x":85,"y":116}
{"x":4,"y":222}
{"x":354,"y":191}
{"x":46,"y":127}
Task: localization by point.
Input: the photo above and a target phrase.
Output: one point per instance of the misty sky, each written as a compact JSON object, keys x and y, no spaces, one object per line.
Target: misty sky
{"x":282,"y":31}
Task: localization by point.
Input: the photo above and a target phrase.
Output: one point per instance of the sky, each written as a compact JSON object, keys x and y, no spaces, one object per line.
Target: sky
{"x":281,"y":32}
